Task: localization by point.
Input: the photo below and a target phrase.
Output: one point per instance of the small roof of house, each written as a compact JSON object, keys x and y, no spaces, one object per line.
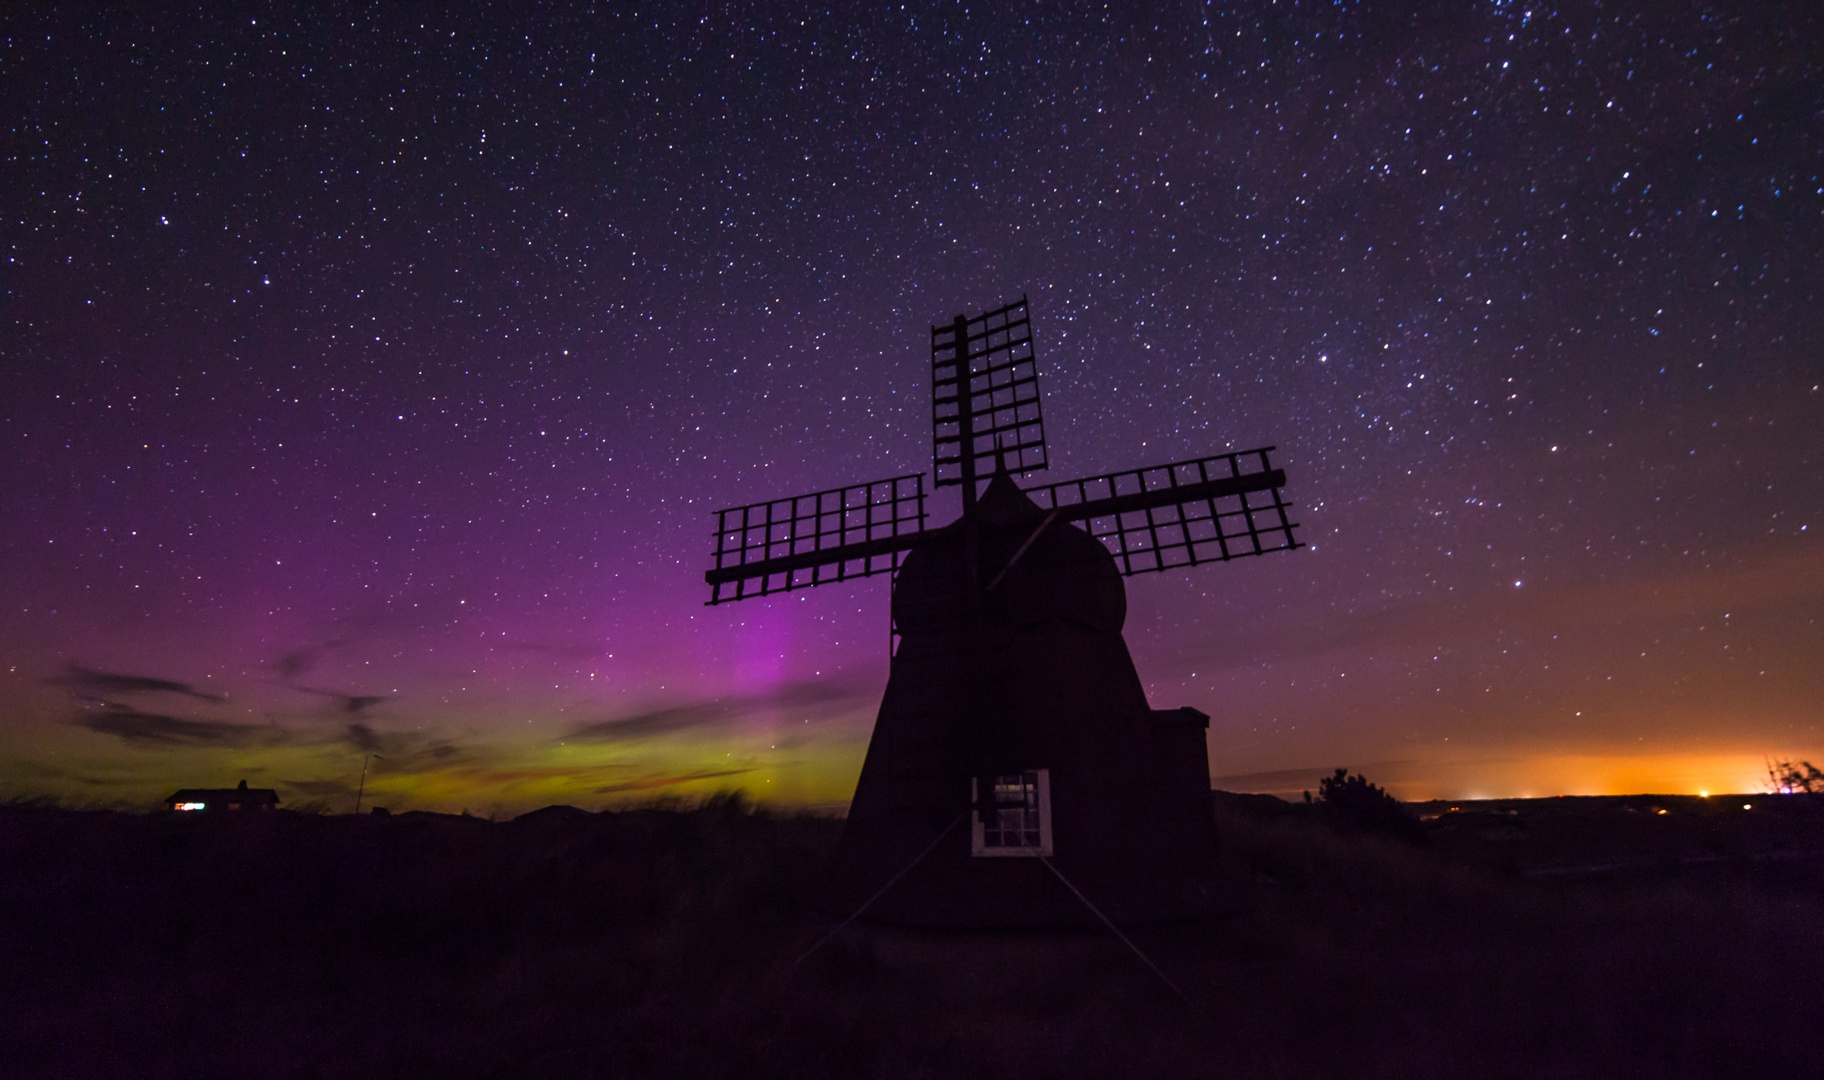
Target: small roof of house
{"x":242,"y":795}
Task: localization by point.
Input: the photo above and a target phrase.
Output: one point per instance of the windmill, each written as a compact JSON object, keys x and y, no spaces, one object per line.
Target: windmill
{"x":1013,"y":705}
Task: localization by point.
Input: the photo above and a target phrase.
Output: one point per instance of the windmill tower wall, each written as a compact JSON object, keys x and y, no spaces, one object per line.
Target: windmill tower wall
{"x":1041,"y":681}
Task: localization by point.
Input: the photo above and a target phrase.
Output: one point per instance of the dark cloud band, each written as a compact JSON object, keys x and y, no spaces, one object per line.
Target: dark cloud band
{"x":88,"y":680}
{"x":821,"y":695}
{"x":156,"y":729}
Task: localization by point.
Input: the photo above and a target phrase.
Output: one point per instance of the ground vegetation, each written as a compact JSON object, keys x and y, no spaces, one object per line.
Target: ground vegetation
{"x":1664,"y":937}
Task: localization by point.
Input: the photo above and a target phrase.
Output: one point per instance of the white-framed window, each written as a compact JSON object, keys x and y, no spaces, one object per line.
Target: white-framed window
{"x":1013,"y":819}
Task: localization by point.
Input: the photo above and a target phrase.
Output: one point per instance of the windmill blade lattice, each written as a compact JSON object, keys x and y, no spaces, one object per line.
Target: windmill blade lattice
{"x":985,"y":414}
{"x":1208,"y":509}
{"x":825,"y":536}
{"x":984,"y":395}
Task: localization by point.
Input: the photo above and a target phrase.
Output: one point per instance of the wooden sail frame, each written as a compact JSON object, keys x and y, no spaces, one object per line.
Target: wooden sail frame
{"x":986,"y":417}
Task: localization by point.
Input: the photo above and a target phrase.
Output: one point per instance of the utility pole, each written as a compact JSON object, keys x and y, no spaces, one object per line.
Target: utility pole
{"x":363,"y":788}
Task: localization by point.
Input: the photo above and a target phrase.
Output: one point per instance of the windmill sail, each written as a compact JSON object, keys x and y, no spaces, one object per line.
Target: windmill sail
{"x":1208,"y":509}
{"x":805,"y":540}
{"x":985,"y":396}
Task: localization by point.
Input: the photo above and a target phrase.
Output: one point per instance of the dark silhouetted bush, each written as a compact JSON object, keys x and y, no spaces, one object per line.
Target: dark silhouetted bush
{"x":1351,"y":803}
{"x":1795,"y":778}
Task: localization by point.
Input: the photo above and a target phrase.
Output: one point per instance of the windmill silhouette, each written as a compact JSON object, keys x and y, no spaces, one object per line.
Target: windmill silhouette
{"x":1012,"y":703}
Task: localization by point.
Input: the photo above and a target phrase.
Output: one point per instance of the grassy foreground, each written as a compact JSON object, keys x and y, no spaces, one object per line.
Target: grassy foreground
{"x":1566,"y":938}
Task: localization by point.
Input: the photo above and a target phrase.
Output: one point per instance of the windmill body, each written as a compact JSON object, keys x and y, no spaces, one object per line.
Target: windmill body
{"x":1017,"y":773}
{"x":1046,"y":688}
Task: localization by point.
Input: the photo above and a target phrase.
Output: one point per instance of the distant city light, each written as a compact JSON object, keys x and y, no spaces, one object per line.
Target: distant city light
{"x":190,"y":806}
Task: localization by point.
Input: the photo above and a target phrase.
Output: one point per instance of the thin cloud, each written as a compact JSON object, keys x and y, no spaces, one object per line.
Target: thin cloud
{"x":404,"y":753}
{"x":719,"y":712}
{"x":156,"y":729}
{"x":298,"y":662}
{"x":1395,"y":771}
{"x":349,"y":704}
{"x":318,"y":787}
{"x":364,"y":738}
{"x":506,"y":775}
{"x":648,"y":783}
{"x":87,"y":680}
{"x":656,"y":722}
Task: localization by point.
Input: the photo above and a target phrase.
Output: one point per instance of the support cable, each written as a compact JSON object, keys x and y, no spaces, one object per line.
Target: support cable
{"x":882,"y":891}
{"x":1097,"y":912}
{"x":1043,"y":525}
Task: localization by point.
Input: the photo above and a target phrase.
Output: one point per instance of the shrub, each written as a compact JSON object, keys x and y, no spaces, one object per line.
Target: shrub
{"x":1351,"y":803}
{"x":1795,"y":778}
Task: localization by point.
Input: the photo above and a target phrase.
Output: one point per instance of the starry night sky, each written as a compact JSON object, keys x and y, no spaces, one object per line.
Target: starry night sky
{"x":370,"y":375}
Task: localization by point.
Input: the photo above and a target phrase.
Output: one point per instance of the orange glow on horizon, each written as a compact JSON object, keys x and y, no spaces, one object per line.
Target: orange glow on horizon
{"x":1534,"y":775}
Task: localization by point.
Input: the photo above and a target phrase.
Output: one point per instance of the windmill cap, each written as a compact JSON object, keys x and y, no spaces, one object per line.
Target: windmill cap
{"x":1061,"y":575}
{"x":1003,"y":503}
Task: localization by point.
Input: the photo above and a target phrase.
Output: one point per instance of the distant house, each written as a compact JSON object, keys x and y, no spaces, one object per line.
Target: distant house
{"x":234,"y":798}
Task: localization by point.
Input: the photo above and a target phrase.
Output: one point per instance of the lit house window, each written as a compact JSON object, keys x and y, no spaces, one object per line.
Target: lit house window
{"x":189,"y":806}
{"x":1011,"y":814}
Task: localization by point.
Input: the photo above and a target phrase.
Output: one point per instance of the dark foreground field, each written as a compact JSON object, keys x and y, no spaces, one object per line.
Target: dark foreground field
{"x":1567,"y":938}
